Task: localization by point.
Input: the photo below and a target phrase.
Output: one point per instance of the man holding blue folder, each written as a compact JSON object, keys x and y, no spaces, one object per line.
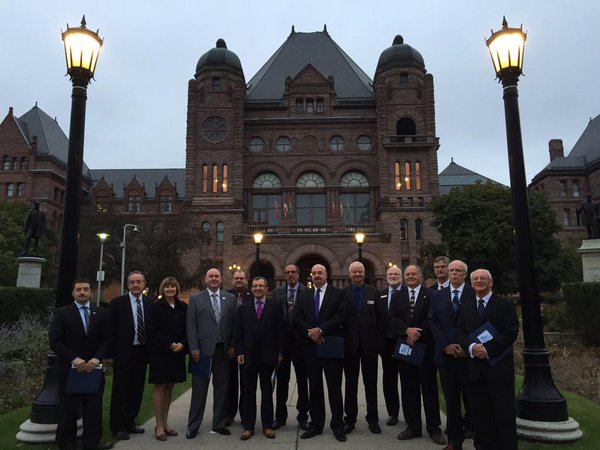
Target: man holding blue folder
{"x":79,"y":336}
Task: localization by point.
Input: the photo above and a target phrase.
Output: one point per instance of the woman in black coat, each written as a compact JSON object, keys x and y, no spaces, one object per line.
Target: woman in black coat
{"x":168,"y":347}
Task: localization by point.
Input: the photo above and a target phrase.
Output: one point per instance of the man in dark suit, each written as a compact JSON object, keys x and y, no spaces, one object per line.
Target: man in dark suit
{"x":79,"y":336}
{"x":408,"y":320}
{"x":128,"y":315}
{"x":320,"y":314}
{"x":258,"y":345}
{"x":388,"y":362}
{"x":286,"y":297}
{"x":440,"y":268}
{"x":363,"y":339}
{"x":448,"y":355}
{"x":209,"y":326}
{"x":491,"y":367}
{"x":236,"y":379}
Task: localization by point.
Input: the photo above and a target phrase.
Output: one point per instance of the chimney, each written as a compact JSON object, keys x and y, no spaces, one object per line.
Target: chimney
{"x":556,"y":149}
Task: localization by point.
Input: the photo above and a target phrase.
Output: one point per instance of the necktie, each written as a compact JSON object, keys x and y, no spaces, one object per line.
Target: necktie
{"x":317,"y":301}
{"x":412,"y":302}
{"x":480,"y":307}
{"x":216,"y":306}
{"x":259,"y":308}
{"x":239,"y":298}
{"x":86,"y":318}
{"x":357,"y":298}
{"x":455,"y":300}
{"x":141,"y":331}
{"x":290,"y":304}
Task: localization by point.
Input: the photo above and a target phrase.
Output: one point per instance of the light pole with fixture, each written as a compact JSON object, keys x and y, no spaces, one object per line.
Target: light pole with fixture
{"x":258,"y":237}
{"x":100,"y":275}
{"x":360,"y":239}
{"x":123,"y":245}
{"x":539,"y":399}
{"x":234,"y":268}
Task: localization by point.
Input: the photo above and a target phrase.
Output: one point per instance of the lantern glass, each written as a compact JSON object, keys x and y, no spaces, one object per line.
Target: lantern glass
{"x":258,"y":238}
{"x":360,"y":238}
{"x":506,"y":48}
{"x":82,"y":48}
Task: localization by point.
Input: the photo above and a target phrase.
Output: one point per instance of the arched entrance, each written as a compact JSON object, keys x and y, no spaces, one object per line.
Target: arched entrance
{"x":265,"y":270}
{"x":306,"y":263}
{"x":369,"y":272}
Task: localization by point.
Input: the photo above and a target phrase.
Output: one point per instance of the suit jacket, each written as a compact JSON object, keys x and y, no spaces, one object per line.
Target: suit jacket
{"x":400,"y":318}
{"x":442,"y":320}
{"x":122,"y":329}
{"x":68,"y":340}
{"x":332,"y":315}
{"x":502,"y":313}
{"x":364,"y":329}
{"x":291,"y":336}
{"x":246,"y":295}
{"x":201,"y":323}
{"x":389,"y":342}
{"x":259,"y":340}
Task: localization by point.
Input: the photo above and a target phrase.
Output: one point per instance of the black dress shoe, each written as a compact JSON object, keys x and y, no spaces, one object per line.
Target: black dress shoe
{"x":121,"y":435}
{"x":392,"y":420}
{"x":304,"y":425}
{"x":348,"y":427}
{"x":438,"y":437}
{"x":311,"y":432}
{"x":374,"y":428}
{"x":408,"y":434}
{"x":135,"y":430}
{"x":278,"y":424}
{"x":191,"y":434}
{"x":103,"y":446}
{"x":340,"y":435}
{"x":222,"y":431}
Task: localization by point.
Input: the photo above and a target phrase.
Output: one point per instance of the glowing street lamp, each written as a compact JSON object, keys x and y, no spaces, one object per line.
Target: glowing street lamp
{"x":100,"y":274}
{"x":360,"y":238}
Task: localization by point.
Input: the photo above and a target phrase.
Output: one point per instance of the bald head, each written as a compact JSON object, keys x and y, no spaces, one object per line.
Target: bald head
{"x":318,"y":274}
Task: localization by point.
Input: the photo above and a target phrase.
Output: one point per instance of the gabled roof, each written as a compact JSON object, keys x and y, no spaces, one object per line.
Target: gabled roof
{"x":458,"y":176}
{"x":149,"y":178}
{"x":325,"y":56}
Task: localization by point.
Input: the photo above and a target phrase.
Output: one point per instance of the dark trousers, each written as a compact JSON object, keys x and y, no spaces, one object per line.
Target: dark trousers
{"x":129,"y":379}
{"x":368,"y":365}
{"x":68,"y":413}
{"x":236,"y":390}
{"x":251,"y":373}
{"x":390,"y":379}
{"x":333,"y":369}
{"x":416,"y":382}
{"x":454,"y":378}
{"x":493,"y":414}
{"x":283,"y":380}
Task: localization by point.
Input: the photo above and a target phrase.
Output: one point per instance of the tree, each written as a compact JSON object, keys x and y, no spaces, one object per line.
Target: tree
{"x":476,"y":226}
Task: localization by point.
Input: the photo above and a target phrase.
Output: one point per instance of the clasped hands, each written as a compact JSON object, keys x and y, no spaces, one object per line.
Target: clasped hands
{"x":479,"y":351}
{"x":413,"y":334}
{"x":85,"y":366}
{"x":176,"y":347}
{"x":455,"y":350}
{"x":316,"y":335}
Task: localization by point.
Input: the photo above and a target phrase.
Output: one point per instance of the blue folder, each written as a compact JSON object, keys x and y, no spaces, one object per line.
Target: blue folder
{"x":202,"y":368}
{"x":83,"y":382}
{"x":485,"y":333}
{"x":332,"y":347}
{"x":413,"y":355}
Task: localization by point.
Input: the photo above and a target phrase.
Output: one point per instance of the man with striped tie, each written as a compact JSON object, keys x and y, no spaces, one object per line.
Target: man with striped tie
{"x":128,"y":315}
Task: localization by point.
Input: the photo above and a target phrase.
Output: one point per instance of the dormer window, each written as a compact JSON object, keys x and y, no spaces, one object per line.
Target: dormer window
{"x":299,"y":105}
{"x":320,"y":105}
{"x":310,"y":105}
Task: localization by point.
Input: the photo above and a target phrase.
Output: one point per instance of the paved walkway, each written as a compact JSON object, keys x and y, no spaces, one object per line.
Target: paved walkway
{"x":287,"y":437}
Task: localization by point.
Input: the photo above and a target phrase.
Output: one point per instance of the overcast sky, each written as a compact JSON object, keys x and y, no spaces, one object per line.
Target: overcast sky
{"x":136,"y":109}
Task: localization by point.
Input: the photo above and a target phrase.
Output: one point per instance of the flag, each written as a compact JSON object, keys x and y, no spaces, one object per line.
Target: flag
{"x":341,"y":209}
{"x":291,"y":209}
{"x":276,"y":209}
{"x":332,"y":205}
{"x":284,"y":206}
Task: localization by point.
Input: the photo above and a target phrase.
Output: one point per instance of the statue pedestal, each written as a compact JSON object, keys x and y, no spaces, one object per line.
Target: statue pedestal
{"x":30,"y":271}
{"x":590,"y":258}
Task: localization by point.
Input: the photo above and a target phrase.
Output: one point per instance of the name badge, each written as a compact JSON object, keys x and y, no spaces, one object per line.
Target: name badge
{"x":484,"y":337}
{"x":370,"y":302}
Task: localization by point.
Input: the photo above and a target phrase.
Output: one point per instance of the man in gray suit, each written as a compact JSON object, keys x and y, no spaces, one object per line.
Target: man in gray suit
{"x":209,"y":321}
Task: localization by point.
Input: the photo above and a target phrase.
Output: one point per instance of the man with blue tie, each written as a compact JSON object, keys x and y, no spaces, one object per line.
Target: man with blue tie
{"x":79,"y":336}
{"x":286,"y":297}
{"x":448,"y":355}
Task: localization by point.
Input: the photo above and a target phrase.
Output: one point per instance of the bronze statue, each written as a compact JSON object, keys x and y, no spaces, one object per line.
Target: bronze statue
{"x":34,"y":228}
{"x":588,"y":212}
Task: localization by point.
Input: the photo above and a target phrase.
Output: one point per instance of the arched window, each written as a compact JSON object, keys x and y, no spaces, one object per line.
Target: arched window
{"x":267,"y":180}
{"x":215,"y":178}
{"x":354,"y":179}
{"x":15,"y":165}
{"x":403,"y":78}
{"x":225,"y":178}
{"x":220,"y":231}
{"x":418,"y":175}
{"x":418,"y":229}
{"x":355,"y":207}
{"x":10,"y":190}
{"x":397,"y":176}
{"x":204,"y":179}
{"x":310,"y":180}
{"x":205,"y":227}
{"x":23,"y":163}
{"x":407,"y":175}
{"x":21,"y":190}
{"x":5,"y":163}
{"x":406,"y":127}
{"x":403,"y":229}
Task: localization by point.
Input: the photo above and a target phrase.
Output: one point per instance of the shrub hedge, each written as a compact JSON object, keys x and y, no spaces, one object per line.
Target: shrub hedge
{"x":583,"y":306}
{"x":18,"y":301}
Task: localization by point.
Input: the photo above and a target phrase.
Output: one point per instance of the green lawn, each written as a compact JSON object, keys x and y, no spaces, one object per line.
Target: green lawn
{"x":10,"y":422}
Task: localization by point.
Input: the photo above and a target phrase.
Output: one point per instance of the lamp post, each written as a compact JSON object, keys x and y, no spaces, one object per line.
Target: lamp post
{"x":123,"y":245}
{"x":234,"y":268}
{"x":258,"y":237}
{"x":538,"y":400}
{"x":360,"y":238}
{"x":100,"y":274}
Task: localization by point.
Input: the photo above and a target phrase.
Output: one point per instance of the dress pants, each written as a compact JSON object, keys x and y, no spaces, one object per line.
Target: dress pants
{"x":283,"y":380}
{"x":251,"y":374}
{"x":390,"y":379}
{"x":220,"y":381}
{"x":129,"y":380}
{"x":333,"y":369}
{"x":236,"y":390}
{"x":454,"y":378}
{"x":68,"y":413}
{"x":368,"y":365}
{"x":414,"y":382}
